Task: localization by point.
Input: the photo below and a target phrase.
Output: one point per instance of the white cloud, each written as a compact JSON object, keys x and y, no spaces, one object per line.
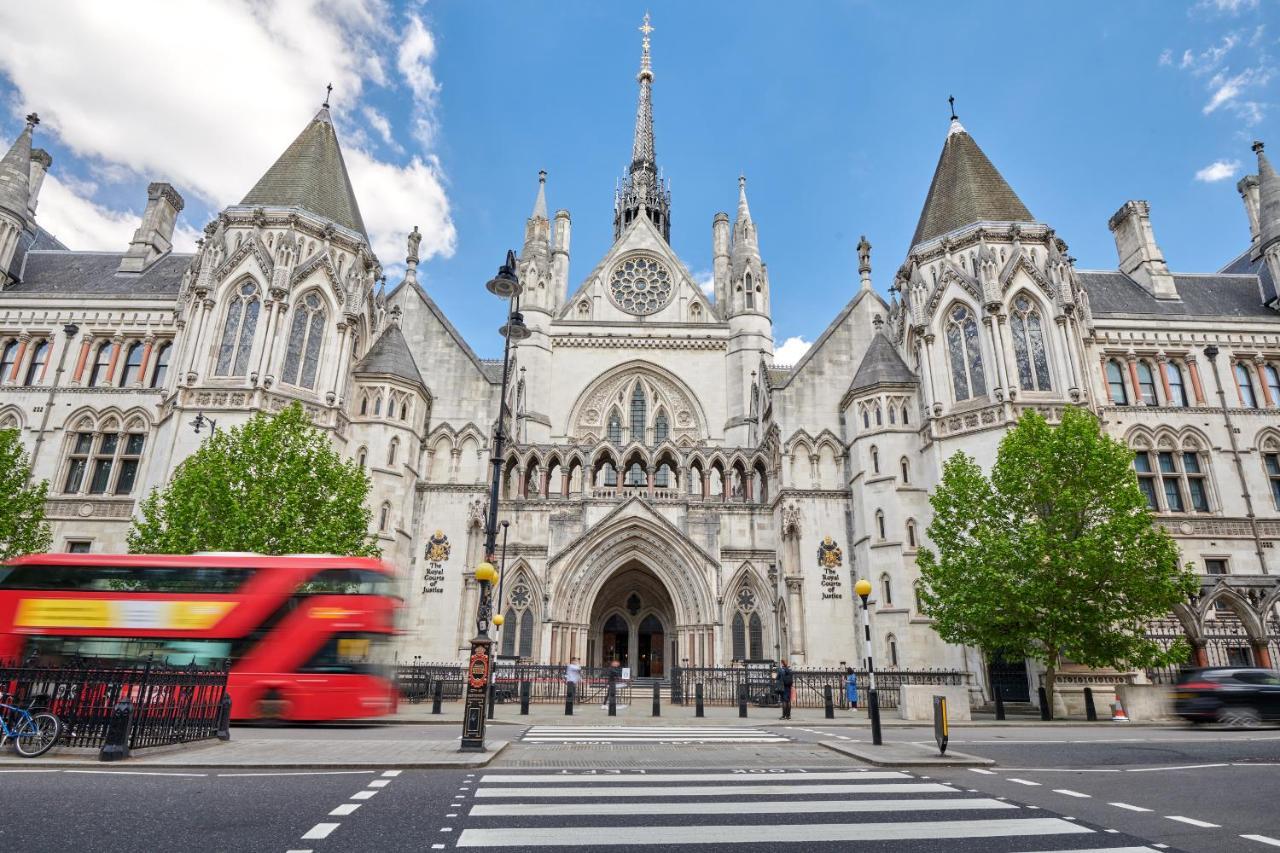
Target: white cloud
{"x":413,"y":59}
{"x":1227,"y":7}
{"x":79,"y":222}
{"x":791,"y":351}
{"x":379,"y":123}
{"x":1166,"y":57}
{"x":1218,"y":170}
{"x":1209,"y":59}
{"x":706,"y":283}
{"x":1226,"y":89}
{"x":210,"y":113}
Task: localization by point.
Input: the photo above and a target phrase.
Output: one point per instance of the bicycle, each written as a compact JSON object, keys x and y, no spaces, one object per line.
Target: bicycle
{"x":33,"y":734}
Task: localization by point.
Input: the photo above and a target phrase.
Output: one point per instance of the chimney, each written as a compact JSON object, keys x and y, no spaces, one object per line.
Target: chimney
{"x":40,"y":163}
{"x":155,"y":234}
{"x":1248,"y":189}
{"x":1140,"y":257}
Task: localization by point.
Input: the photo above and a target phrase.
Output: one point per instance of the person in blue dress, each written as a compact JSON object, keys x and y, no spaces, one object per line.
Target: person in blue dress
{"x":851,"y":687}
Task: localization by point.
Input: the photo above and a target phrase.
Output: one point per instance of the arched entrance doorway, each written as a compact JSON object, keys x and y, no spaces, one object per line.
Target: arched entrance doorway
{"x":631,"y":623}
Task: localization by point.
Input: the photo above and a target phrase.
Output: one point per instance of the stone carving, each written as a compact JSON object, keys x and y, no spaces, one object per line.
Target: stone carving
{"x":829,"y":554}
{"x":438,"y":549}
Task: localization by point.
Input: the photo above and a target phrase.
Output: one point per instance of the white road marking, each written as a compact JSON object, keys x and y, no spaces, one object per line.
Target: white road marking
{"x":714,"y":791}
{"x":392,"y":773}
{"x":1070,"y":793}
{"x":983,"y":772}
{"x":344,"y":809}
{"x":610,"y":779}
{"x":653,"y":739}
{"x":363,"y":795}
{"x":1203,"y":824}
{"x":132,"y":773}
{"x":303,"y":773}
{"x":1024,"y":782}
{"x":379,"y":783}
{"x":1263,"y":839}
{"x":1178,"y":767}
{"x":437,"y":846}
{"x":791,"y":833}
{"x":321,"y":830}
{"x":746,"y":807}
{"x":1129,"y":807}
{"x":30,"y":771}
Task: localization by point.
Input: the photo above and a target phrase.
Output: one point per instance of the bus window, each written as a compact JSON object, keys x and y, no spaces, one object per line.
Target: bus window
{"x":166,"y":650}
{"x":347,"y":653}
{"x":347,"y":582}
{"x":200,"y":579}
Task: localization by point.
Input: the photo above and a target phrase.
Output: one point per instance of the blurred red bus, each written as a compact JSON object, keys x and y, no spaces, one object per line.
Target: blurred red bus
{"x":308,"y":635}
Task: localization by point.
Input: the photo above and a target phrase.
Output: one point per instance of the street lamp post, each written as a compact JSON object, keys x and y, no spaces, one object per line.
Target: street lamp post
{"x":777,"y":617}
{"x":506,"y":284}
{"x":498,"y":618}
{"x":863,"y":589}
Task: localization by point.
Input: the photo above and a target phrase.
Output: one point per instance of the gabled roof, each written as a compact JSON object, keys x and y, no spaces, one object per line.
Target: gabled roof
{"x":95,"y":274}
{"x":966,"y":189}
{"x":881,"y":365}
{"x":311,"y":175}
{"x":1213,"y":295}
{"x":390,"y":356}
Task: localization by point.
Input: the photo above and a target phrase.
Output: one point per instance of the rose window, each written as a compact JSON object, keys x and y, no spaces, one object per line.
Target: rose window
{"x":520,"y":596}
{"x":640,"y":285}
{"x":746,"y":600}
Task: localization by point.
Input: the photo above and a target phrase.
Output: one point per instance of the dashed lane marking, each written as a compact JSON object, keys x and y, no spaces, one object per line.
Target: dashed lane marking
{"x":133,"y":773}
{"x":320,"y":830}
{"x":391,"y":774}
{"x":344,"y":809}
{"x":379,"y":783}
{"x":1129,"y":807}
{"x":1070,"y":793}
{"x":302,"y":773}
{"x":363,"y":795}
{"x":1263,"y":839}
{"x":983,"y":772}
{"x":1203,"y":824}
{"x":1025,"y":782}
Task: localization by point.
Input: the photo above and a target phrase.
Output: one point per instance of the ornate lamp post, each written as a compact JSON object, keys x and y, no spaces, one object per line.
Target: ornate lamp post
{"x":777,"y":616}
{"x":863,"y":589}
{"x":506,"y":285}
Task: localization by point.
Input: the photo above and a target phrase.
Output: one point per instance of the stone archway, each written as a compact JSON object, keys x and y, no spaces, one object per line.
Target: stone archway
{"x":631,"y":621}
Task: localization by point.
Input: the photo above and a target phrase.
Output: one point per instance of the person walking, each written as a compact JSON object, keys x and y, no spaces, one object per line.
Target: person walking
{"x":785,"y":681}
{"x":573,"y":676}
{"x":851,"y":687}
{"x":615,"y":673}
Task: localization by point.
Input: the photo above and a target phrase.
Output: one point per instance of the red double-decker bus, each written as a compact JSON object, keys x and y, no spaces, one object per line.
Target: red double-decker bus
{"x":308,"y":636}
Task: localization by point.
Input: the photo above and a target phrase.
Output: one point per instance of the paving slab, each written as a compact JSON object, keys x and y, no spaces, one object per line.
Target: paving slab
{"x":905,"y":755}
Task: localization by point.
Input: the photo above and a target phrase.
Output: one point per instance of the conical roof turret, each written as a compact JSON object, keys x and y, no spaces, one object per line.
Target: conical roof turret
{"x":966,"y":189}
{"x":311,"y":175}
{"x":15,"y":173}
{"x":1268,"y":199}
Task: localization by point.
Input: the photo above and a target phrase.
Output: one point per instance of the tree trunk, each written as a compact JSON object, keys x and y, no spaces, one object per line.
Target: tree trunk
{"x":1050,"y":677}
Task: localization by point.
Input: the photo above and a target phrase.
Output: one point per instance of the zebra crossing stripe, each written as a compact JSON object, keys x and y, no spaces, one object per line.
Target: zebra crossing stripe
{"x":756,"y":807}
{"x":654,"y":739}
{"x":585,"y":836}
{"x":613,"y":779}
{"x":714,"y":791}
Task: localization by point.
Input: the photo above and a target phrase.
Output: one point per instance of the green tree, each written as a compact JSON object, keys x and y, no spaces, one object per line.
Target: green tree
{"x":1055,"y":555}
{"x":23,"y":529}
{"x":274,"y":485}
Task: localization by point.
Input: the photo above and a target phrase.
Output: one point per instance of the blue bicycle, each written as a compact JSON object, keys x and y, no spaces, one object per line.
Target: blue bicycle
{"x":32,"y":734}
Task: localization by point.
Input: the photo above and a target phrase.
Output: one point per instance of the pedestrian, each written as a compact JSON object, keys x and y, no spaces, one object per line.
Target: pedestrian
{"x":573,"y":675}
{"x":785,"y":681}
{"x":615,"y":672}
{"x":851,"y":687}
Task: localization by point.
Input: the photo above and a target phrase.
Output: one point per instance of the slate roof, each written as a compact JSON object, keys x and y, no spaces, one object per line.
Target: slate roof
{"x":58,"y":273}
{"x":1211,"y":295}
{"x":311,"y":175}
{"x":966,"y":188}
{"x":1248,"y":265}
{"x":390,"y":355}
{"x":881,"y":365}
{"x":778,"y":375}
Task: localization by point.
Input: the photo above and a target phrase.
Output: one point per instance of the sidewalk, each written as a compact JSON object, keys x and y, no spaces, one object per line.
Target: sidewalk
{"x":248,"y":753}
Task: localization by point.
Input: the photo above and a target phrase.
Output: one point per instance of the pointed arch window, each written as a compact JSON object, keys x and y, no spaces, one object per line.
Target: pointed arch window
{"x":1245,"y":383}
{"x":875,"y":459}
{"x":880,"y":523}
{"x":384,"y":517}
{"x":755,"y":636}
{"x":879,"y":415}
{"x":35,"y":372}
{"x":237,"y":332}
{"x":892,"y":642}
{"x":364,"y":404}
{"x":911,"y":535}
{"x":639,"y":412}
{"x":509,"y":628}
{"x":1272,"y":377}
{"x":866,"y":419}
{"x":906,"y":419}
{"x":615,"y":428}
{"x":965,"y":353}
{"x":393,"y":450}
{"x":101,"y":373}
{"x":1147,"y":384}
{"x":132,"y":365}
{"x":163,"y":354}
{"x":751,"y":293}
{"x":886,"y":590}
{"x":8,"y":358}
{"x":662,"y":427}
{"x":306,"y":335}
{"x":1177,"y":384}
{"x":1115,"y":384}
{"x":739,"y":636}
{"x":905,"y":466}
{"x":1029,"y":346}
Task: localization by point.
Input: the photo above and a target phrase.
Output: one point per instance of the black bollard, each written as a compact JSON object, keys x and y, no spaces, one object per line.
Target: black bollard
{"x":827,"y":703}
{"x":873,"y":712}
{"x":1046,"y":713}
{"x":224,"y":717}
{"x":742,"y":700}
{"x":525,"y":689}
{"x":697,"y":700}
{"x":999,"y":703}
{"x":491,"y":696}
{"x":657,"y":707}
{"x":569,"y":690}
{"x":1090,"y":710}
{"x":116,"y":747}
{"x":613,"y":700}
{"x":677,"y":686}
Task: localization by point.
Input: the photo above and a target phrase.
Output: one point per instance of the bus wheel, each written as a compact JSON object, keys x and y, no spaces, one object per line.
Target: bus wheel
{"x":272,"y":707}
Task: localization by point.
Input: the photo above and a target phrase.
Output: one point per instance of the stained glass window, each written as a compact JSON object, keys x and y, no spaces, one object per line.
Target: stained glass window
{"x":615,"y":428}
{"x":661,"y":428}
{"x":237,"y":333}
{"x":1029,"y":346}
{"x":639,"y":406}
{"x":640,"y":285}
{"x":965,"y":353}
{"x":306,"y":335}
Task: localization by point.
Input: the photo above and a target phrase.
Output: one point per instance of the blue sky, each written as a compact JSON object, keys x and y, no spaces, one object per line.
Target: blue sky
{"x":836,"y":112}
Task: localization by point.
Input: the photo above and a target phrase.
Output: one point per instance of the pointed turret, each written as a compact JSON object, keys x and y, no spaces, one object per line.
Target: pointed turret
{"x":15,"y":173}
{"x":750,"y":288}
{"x":1268,"y":199}
{"x":744,"y":229}
{"x":643,"y":189}
{"x":311,"y":175}
{"x":966,"y":189}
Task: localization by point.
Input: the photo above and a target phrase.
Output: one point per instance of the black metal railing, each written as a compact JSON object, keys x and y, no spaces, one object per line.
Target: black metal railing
{"x":166,"y":704}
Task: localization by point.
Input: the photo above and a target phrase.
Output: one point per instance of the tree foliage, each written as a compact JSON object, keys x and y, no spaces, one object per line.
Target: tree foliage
{"x":23,"y":529}
{"x":1054,"y":555}
{"x":274,"y":485}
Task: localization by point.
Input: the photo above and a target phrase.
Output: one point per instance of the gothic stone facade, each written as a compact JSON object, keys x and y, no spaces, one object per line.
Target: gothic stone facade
{"x":671,"y":492}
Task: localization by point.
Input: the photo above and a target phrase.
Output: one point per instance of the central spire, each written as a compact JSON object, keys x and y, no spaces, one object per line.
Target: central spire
{"x":642,"y":188}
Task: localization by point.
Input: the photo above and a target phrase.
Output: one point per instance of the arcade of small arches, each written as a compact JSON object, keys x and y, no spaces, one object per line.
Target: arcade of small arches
{"x":1233,"y":623}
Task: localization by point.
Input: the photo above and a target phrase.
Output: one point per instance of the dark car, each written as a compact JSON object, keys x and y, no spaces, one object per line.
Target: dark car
{"x":1231,"y":695}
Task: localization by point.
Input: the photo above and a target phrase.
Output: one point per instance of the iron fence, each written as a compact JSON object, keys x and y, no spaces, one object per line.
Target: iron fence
{"x":417,"y":683}
{"x":169,"y":704}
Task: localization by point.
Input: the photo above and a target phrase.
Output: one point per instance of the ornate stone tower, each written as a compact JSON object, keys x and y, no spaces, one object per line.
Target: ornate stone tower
{"x":746,"y":307}
{"x":643,"y":191}
{"x":15,"y":200}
